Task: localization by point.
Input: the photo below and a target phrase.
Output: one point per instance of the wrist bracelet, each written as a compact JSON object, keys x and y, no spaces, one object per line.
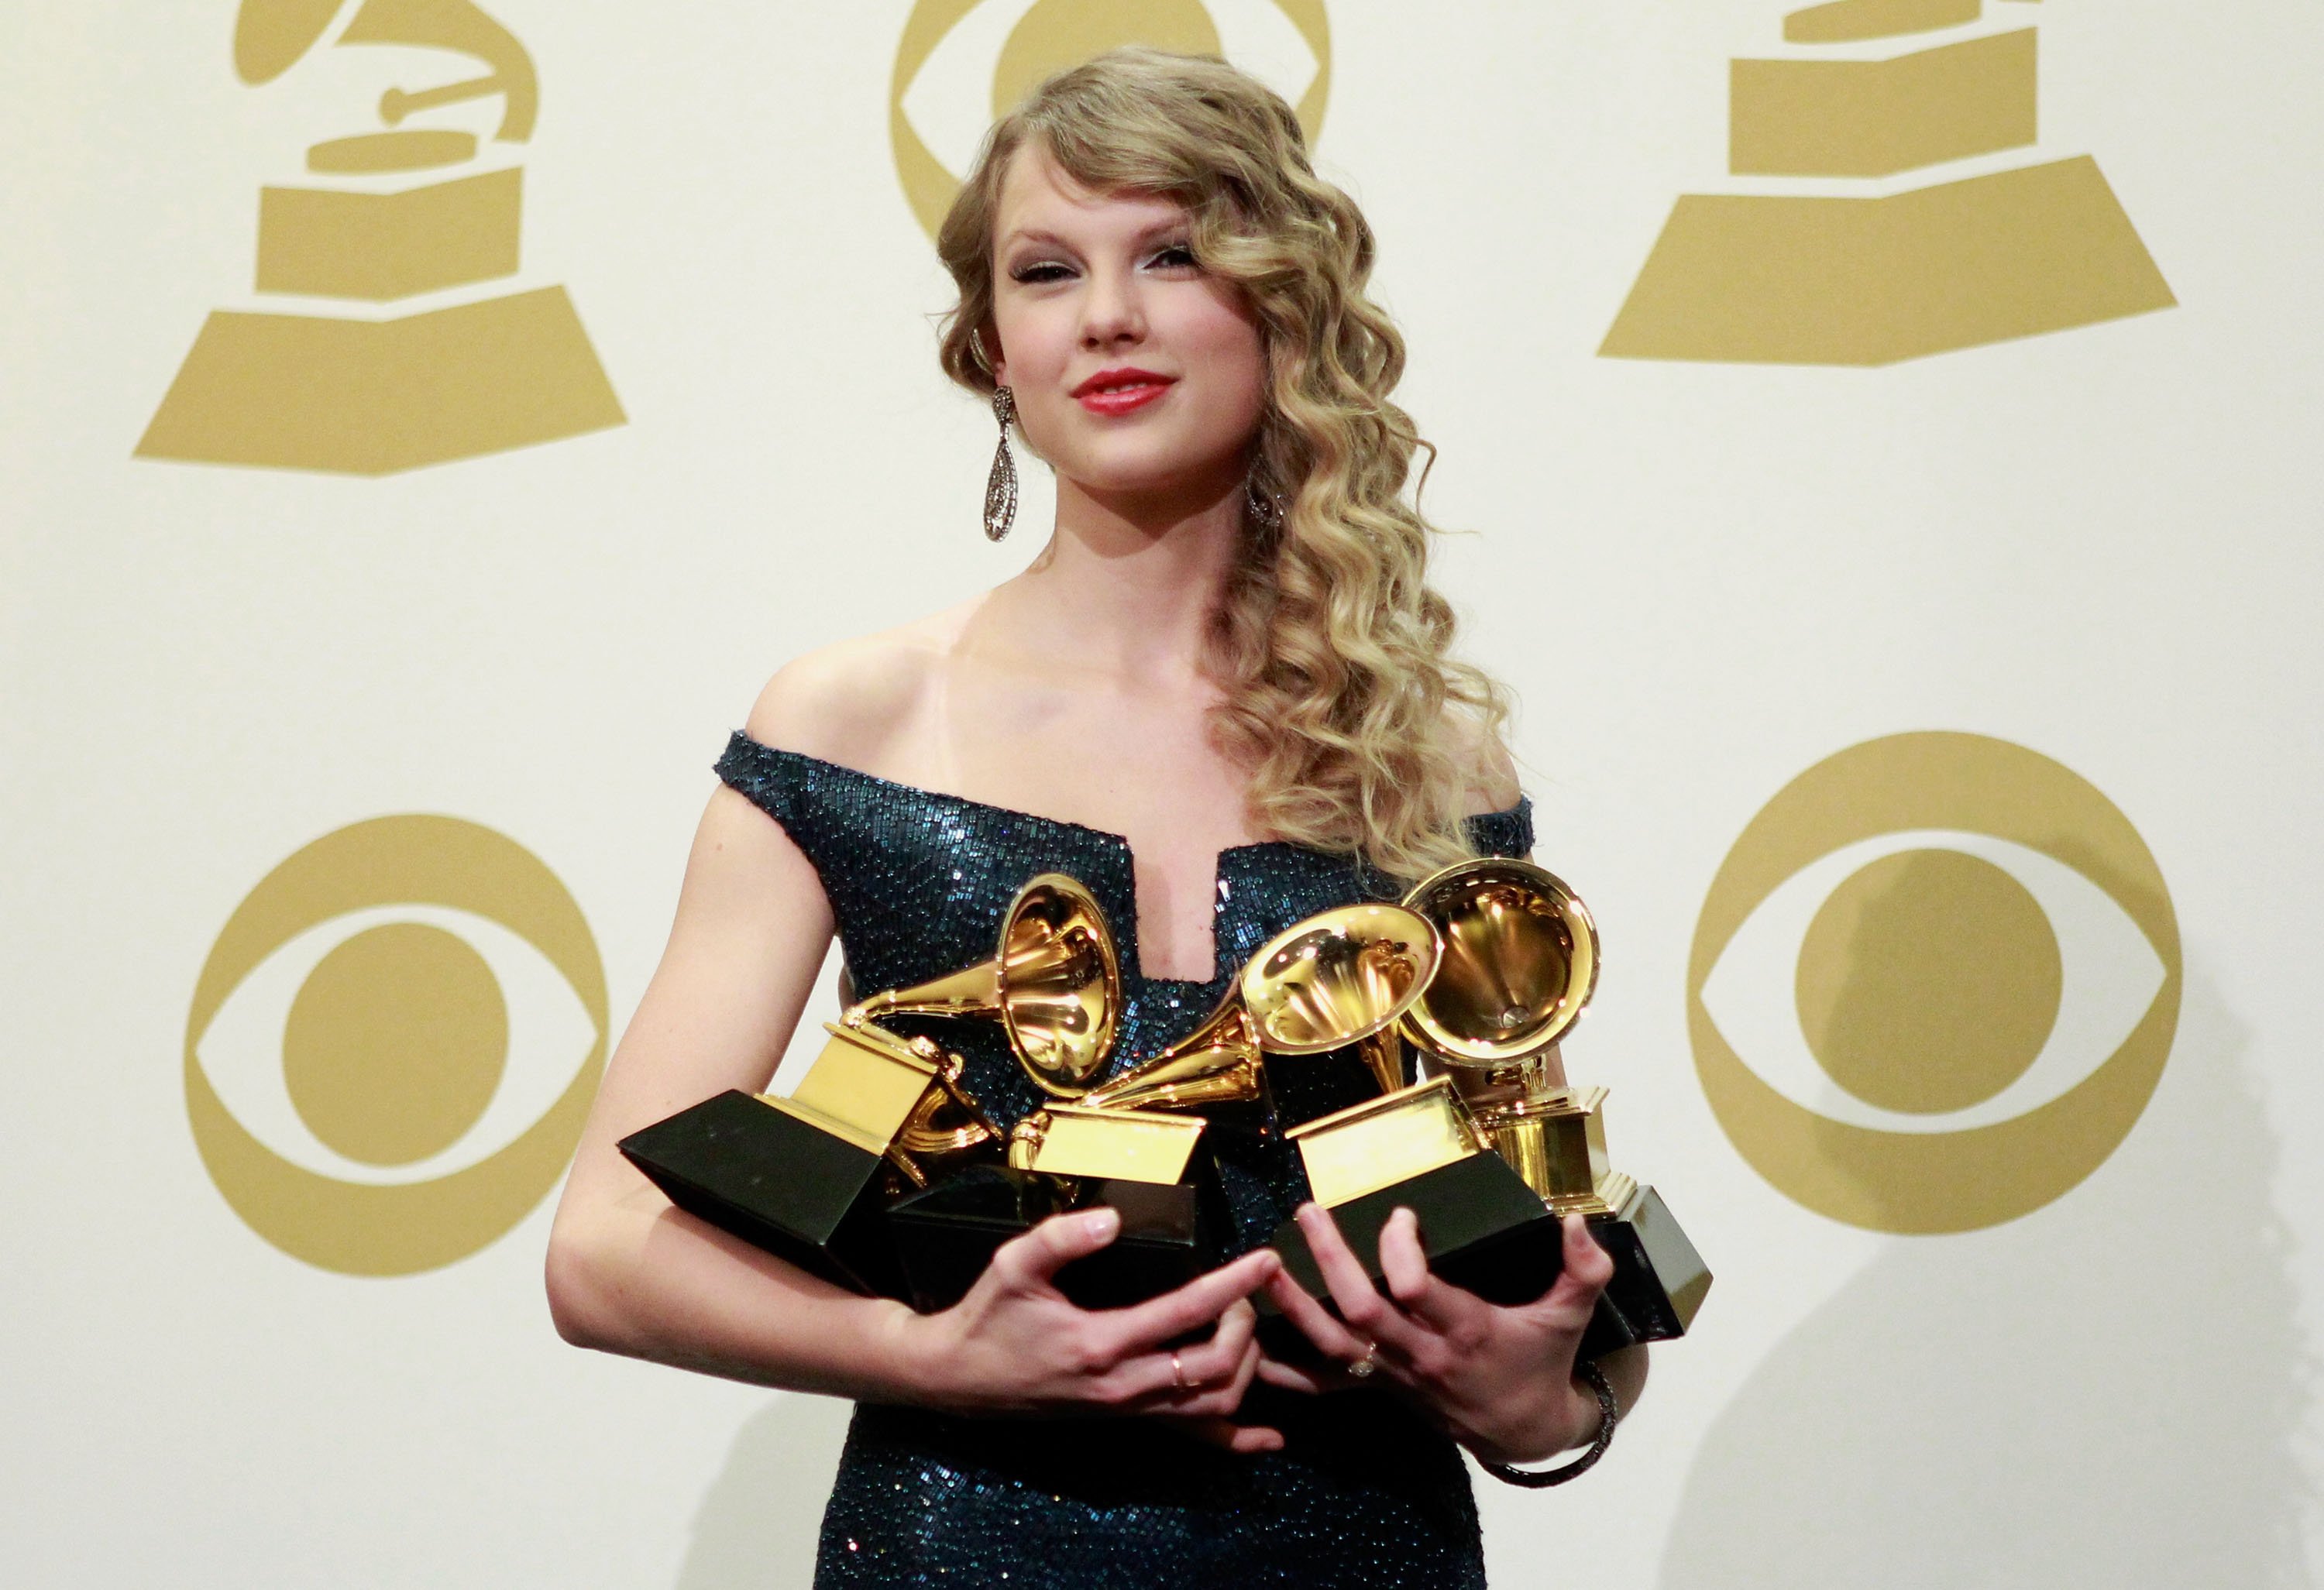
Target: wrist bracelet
{"x":1536,"y":1479}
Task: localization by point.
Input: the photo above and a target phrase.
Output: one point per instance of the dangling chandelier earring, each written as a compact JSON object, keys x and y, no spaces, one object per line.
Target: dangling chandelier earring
{"x":1265,"y":508}
{"x":1000,"y":486}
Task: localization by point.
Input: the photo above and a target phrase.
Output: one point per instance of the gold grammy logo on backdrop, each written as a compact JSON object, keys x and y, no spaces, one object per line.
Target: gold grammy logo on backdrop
{"x":338,"y":390}
{"x":394,"y":1043}
{"x":1792,"y":279}
{"x":1934,"y":984}
{"x":962,"y":64}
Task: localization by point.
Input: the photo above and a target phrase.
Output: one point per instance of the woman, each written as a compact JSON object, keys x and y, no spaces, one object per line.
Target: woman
{"x":1223,"y":686}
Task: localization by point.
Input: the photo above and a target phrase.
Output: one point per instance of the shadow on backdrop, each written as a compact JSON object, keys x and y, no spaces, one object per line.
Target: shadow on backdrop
{"x":2104,"y":1393}
{"x":758,"y":1522}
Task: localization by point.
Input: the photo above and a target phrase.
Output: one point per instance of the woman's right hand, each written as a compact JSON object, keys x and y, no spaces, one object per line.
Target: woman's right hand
{"x":1016,"y":1345}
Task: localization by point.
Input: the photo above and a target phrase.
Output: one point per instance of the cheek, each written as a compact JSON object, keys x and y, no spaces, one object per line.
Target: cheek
{"x":1231,"y":345}
{"x":1034,"y":345}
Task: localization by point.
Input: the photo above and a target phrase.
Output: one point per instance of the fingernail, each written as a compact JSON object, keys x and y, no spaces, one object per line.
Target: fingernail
{"x":1103,"y":1222}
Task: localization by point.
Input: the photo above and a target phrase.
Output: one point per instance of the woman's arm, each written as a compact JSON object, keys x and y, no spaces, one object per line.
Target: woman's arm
{"x":627,"y":1272}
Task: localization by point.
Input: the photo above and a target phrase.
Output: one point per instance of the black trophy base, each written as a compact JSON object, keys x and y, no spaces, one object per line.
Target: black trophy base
{"x":780,"y":1183}
{"x":946,"y":1235}
{"x":1480,"y":1226}
{"x":1659,"y":1280}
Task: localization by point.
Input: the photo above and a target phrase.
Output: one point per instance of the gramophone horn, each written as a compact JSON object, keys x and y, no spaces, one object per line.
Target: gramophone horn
{"x":1339,"y":978}
{"x":1217,"y":1063}
{"x":271,"y":35}
{"x":1520,"y":961}
{"x":1054,"y":983}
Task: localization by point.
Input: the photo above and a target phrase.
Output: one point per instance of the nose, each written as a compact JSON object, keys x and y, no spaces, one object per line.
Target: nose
{"x":1112,"y":315}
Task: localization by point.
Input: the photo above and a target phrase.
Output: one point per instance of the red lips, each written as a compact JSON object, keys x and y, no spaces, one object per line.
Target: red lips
{"x":1119,"y":390}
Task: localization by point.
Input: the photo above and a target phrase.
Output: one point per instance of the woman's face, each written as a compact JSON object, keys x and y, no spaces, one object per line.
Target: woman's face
{"x":1134,"y":371}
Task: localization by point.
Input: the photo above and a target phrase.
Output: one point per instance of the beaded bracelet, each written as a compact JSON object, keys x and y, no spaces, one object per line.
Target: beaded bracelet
{"x":1534,"y":1479}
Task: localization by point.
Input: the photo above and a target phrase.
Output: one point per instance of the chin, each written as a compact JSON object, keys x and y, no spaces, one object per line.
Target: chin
{"x":1148,"y":471}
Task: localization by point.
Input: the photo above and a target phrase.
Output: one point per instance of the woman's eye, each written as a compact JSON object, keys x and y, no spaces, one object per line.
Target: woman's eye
{"x":1043,"y":270}
{"x":1177,"y":255}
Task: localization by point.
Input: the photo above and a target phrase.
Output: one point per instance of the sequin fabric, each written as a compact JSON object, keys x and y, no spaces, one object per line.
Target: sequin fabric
{"x":1364,"y":1494}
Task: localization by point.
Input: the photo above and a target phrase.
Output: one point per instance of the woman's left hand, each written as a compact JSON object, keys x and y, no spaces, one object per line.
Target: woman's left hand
{"x":1499,"y":1379}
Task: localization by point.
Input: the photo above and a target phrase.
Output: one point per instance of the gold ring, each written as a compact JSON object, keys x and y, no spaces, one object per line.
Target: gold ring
{"x":1179,"y":1374}
{"x":1361,"y":1369}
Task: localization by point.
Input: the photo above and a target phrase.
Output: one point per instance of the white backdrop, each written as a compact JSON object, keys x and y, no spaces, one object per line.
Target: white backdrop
{"x":1703,"y":579}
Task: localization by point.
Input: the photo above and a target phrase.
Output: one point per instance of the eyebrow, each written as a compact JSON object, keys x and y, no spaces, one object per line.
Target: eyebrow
{"x":1037,"y":235}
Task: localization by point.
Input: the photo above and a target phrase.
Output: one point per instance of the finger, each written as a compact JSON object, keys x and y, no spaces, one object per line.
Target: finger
{"x":1146,"y":1325}
{"x":1369,"y":1315}
{"x":1289,"y":1377}
{"x":1215,"y":1361}
{"x":1246,"y":1370}
{"x":1332,"y":1337}
{"x":1171,"y":1382}
{"x":1225,"y":1401}
{"x":1030,"y":1262}
{"x":1588,"y":1268}
{"x":1437,"y":1303}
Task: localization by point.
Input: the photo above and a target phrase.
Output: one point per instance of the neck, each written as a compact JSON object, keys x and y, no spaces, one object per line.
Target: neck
{"x":1128,"y":581}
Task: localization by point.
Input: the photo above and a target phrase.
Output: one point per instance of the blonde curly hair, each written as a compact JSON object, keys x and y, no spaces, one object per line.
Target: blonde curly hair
{"x":1361,"y":734}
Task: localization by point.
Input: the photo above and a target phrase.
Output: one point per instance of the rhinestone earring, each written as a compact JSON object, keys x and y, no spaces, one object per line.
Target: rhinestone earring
{"x":1266,"y":509}
{"x":1000,"y":486}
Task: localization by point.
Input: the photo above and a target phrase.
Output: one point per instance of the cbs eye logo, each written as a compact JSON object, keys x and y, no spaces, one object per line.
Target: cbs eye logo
{"x":963,"y":64}
{"x":393,"y":1044}
{"x":1933,"y":984}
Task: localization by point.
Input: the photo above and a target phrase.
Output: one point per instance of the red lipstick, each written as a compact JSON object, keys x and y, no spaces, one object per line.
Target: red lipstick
{"x":1122,"y":391}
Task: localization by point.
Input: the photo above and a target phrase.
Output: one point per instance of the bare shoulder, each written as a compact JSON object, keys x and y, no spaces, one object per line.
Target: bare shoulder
{"x":1486,"y":763}
{"x":848,"y":703}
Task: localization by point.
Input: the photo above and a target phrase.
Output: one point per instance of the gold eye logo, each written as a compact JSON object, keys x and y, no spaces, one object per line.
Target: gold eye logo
{"x":394,"y":1043}
{"x":962,"y":64}
{"x":1934,"y":984}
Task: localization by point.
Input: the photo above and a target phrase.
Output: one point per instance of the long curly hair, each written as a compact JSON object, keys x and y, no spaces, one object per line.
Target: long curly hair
{"x":1361,"y":734}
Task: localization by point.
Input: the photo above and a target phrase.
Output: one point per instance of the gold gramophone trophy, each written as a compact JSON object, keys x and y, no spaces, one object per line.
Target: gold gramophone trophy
{"x":1337,"y":978}
{"x":398,"y":214}
{"x":1415,"y":1146}
{"x":1520,"y":962}
{"x":810,"y":1177}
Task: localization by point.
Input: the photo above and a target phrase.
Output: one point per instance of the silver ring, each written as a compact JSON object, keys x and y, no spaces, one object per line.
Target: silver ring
{"x":1179,"y":1374}
{"x":1361,"y":1369}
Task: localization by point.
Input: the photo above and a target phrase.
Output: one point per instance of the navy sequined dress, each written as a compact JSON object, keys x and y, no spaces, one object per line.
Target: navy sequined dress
{"x":1364,"y":1496}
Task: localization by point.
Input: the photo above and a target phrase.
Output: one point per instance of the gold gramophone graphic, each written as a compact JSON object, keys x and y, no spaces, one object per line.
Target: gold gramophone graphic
{"x":1876,"y":278}
{"x":1520,"y":964}
{"x":366,"y":395}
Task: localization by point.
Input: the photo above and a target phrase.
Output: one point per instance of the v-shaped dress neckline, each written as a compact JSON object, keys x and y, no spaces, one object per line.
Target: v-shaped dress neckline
{"x":1128,"y":939}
